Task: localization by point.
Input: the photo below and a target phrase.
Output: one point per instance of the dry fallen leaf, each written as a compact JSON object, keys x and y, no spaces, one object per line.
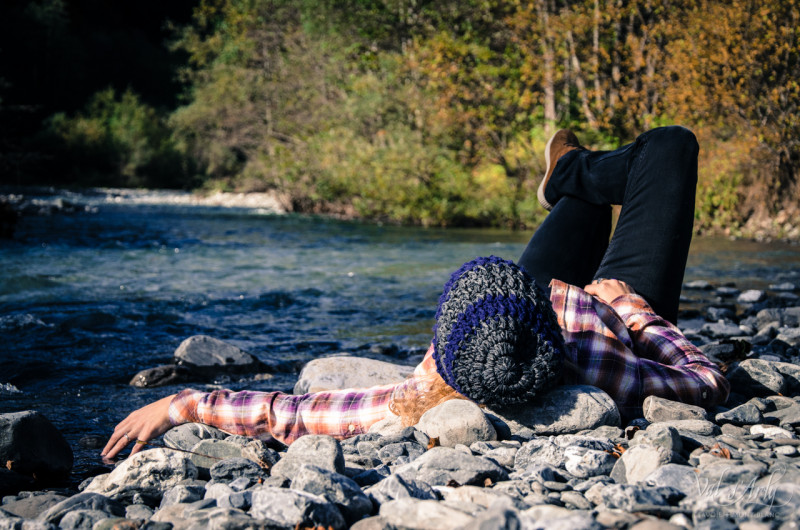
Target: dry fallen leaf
{"x":433,"y":442}
{"x":721,"y":452}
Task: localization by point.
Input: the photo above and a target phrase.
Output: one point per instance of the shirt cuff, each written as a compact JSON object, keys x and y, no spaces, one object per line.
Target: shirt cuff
{"x":629,"y":306}
{"x":183,"y":407}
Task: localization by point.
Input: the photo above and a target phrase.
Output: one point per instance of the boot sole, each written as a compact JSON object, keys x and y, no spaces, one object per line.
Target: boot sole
{"x":547,"y":173}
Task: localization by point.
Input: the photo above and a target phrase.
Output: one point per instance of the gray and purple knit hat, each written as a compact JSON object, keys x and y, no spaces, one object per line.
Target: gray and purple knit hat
{"x":496,"y":338}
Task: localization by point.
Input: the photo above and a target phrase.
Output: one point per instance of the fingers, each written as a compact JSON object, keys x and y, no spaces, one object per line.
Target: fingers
{"x":138,"y":428}
{"x":608,"y":290}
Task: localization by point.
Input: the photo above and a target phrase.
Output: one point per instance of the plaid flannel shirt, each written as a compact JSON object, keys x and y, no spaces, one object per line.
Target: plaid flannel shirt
{"x":623,"y":348}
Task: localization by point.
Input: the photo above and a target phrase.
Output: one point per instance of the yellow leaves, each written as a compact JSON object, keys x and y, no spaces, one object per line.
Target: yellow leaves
{"x":491,"y":179}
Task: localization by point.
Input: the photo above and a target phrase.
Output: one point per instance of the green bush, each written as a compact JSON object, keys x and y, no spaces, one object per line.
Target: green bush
{"x":118,"y":141}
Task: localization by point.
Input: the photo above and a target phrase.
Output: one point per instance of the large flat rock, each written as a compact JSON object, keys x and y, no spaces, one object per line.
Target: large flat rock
{"x":336,"y":373}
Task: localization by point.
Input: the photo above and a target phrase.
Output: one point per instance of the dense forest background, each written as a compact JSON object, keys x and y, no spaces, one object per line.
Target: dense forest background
{"x":416,"y":111}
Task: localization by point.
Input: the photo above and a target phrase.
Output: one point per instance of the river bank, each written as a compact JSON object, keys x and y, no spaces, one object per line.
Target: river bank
{"x":90,"y":299}
{"x":566,"y":461}
{"x":783,"y":226}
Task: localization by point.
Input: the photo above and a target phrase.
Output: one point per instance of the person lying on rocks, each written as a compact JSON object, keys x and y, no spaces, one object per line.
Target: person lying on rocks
{"x":506,"y":333}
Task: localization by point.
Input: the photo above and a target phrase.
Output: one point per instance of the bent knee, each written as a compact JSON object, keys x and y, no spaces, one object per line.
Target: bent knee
{"x":676,"y":136}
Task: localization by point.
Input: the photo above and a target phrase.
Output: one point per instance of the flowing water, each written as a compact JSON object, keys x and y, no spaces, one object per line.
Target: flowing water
{"x":89,"y":299}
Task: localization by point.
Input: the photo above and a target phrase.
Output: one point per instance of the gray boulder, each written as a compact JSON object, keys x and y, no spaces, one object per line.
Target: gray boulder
{"x":660,"y":409}
{"x":204,"y":353}
{"x":390,"y":426}
{"x":206,"y":517}
{"x":293,"y":509}
{"x":546,"y":517}
{"x":82,"y":519}
{"x":30,"y":444}
{"x":756,"y":377}
{"x":138,"y":511}
{"x":457,"y":421}
{"x":721,"y":329}
{"x":151,"y":472}
{"x":660,"y":434}
{"x":770,"y":432}
{"x":188,"y":435}
{"x":541,"y":472}
{"x":396,"y":487}
{"x":335,"y":488}
{"x":503,"y":453}
{"x":82,"y":501}
{"x":745,"y":414}
{"x":391,"y":453}
{"x":789,"y":416}
{"x":791,"y":336}
{"x":260,"y":453}
{"x":31,"y":507}
{"x":207,"y":453}
{"x":638,"y":462}
{"x":316,"y":450}
{"x":726,"y":351}
{"x":166,"y":374}
{"x":176,"y":513}
{"x":751,"y":296}
{"x":336,"y":373}
{"x":500,"y":515}
{"x":423,"y":515}
{"x":441,"y":465}
{"x":565,"y":409}
{"x":231,"y":469}
{"x":681,"y":477}
{"x":698,"y":285}
{"x":699,"y":427}
{"x":584,"y":463}
{"x":182,"y":494}
{"x":631,"y":498}
{"x":539,"y":451}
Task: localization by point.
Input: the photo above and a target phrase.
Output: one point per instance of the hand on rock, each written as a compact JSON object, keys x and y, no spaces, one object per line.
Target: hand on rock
{"x":139,"y":427}
{"x":608,"y":290}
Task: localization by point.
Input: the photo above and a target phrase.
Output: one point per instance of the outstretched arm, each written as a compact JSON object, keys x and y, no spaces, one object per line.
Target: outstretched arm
{"x":285,"y":417}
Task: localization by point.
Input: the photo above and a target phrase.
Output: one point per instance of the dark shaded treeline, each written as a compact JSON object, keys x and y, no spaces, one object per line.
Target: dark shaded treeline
{"x":55,"y":54}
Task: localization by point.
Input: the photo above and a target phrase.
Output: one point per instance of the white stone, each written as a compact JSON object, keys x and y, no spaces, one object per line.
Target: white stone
{"x":158,"y":469}
{"x":423,"y":515}
{"x":770,"y":432}
{"x":457,"y":421}
{"x":336,"y":373}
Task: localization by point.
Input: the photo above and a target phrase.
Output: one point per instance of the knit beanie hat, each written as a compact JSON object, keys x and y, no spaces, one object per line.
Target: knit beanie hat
{"x":496,"y":337}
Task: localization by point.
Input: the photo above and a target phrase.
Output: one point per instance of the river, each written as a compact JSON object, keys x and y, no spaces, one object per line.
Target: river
{"x":88,"y":299}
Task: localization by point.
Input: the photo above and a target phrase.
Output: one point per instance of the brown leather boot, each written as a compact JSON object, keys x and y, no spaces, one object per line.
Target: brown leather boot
{"x":561,"y":143}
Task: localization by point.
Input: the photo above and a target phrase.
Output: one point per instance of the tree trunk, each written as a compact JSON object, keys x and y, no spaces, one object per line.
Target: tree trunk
{"x":580,"y":84}
{"x":548,"y":68}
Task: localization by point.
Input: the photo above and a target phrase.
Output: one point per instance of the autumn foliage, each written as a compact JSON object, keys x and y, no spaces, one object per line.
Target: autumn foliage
{"x":437,"y":112}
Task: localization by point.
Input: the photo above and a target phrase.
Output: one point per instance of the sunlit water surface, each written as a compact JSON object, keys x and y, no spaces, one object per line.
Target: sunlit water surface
{"x":87,"y":300}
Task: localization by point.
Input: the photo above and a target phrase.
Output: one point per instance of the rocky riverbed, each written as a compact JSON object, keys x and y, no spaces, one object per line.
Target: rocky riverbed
{"x":565,"y":462}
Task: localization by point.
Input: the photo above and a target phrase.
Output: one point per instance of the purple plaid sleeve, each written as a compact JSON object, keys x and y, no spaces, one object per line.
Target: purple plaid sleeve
{"x":284,"y":417}
{"x":631,"y":353}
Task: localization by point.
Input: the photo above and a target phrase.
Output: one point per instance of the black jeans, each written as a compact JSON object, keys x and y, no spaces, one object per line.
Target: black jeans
{"x":654,"y":179}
